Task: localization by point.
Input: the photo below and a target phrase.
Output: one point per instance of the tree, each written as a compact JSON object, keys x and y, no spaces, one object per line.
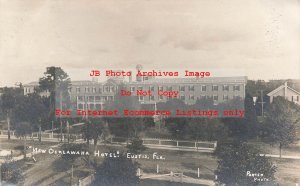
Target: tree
{"x":136,"y":146}
{"x":178,"y":126}
{"x":23,"y":129}
{"x":93,"y":129}
{"x":71,"y":157}
{"x":116,"y":171}
{"x":9,"y":98}
{"x":11,"y":172}
{"x":206,"y":129}
{"x":72,"y":153}
{"x":246,"y":127}
{"x":30,"y":109}
{"x":204,"y":103}
{"x":238,"y":159}
{"x":125,"y":126}
{"x":57,"y":82}
{"x":279,"y":124}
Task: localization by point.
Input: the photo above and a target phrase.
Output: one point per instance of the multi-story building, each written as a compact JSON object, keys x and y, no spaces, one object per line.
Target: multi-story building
{"x":93,"y":94}
{"x":220,"y":89}
{"x":31,"y":88}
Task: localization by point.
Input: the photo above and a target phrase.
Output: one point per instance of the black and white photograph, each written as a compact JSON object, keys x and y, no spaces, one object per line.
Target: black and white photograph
{"x":150,"y":92}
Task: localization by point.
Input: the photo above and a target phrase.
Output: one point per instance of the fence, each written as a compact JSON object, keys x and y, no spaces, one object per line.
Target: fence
{"x":169,"y":143}
{"x":86,"y":181}
{"x":209,"y":146}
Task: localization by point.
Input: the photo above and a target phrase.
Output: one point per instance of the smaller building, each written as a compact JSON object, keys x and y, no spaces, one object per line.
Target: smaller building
{"x":31,"y":88}
{"x":286,"y":92}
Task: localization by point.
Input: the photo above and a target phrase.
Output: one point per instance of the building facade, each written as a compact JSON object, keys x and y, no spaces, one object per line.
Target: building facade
{"x":220,"y":89}
{"x":286,"y":92}
{"x":93,"y":94}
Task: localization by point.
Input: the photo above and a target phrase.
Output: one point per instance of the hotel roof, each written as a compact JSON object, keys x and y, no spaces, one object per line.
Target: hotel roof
{"x":238,"y":79}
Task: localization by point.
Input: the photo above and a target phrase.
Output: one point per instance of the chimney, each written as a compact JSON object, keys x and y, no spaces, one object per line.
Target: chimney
{"x":130,"y":77}
{"x":139,"y":78}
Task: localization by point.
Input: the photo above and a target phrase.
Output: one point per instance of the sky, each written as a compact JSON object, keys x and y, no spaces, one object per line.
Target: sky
{"x":260,"y":38}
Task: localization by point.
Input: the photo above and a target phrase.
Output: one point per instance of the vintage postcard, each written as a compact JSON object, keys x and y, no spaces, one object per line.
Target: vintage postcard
{"x":150,"y":92}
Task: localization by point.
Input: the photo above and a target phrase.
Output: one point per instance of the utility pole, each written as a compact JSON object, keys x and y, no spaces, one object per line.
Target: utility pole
{"x":262,"y":102}
{"x":68,"y":128}
{"x":61,"y":135}
{"x":52,"y":129}
{"x":86,"y":107}
{"x":8,"y":124}
{"x":71,"y":178}
{"x":60,"y":101}
{"x":40,"y":133}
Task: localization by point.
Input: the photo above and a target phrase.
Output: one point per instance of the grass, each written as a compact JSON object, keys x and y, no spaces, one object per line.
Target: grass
{"x":175,"y":161}
{"x":287,"y":171}
{"x":148,"y":182}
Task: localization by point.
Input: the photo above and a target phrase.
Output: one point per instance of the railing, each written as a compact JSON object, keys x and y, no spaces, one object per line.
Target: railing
{"x":5,"y":132}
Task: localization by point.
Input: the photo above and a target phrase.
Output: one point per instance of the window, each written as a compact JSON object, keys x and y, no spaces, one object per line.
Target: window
{"x":169,"y":88}
{"x":77,"y":89}
{"x":203,"y":97}
{"x":215,"y":98}
{"x":151,"y":88}
{"x":182,"y":97}
{"x":225,"y":97}
{"x":161,"y":97}
{"x":182,"y":88}
{"x":140,"y":88}
{"x":191,"y":88}
{"x":98,"y":106}
{"x":141,"y":98}
{"x":132,"y":89}
{"x":80,"y":106}
{"x":80,"y":98}
{"x":152,"y":98}
{"x":94,"y":89}
{"x":225,"y":87}
{"x":191,"y":97}
{"x":215,"y":88}
{"x":236,"y":97}
{"x":110,"y":98}
{"x":161,"y":88}
{"x":91,"y":98}
{"x":97,"y":98}
{"x":87,"y":89}
{"x":92,"y":106}
{"x":112,"y":89}
{"x":236,"y":88}
{"x":203,"y":88}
